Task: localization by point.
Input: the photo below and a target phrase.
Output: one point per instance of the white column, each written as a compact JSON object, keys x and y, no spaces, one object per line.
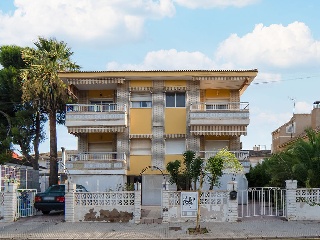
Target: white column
{"x":291,"y":187}
{"x":69,"y":201}
{"x":165,"y":206}
{"x":10,"y":202}
{"x":137,"y":206}
{"x":232,"y":214}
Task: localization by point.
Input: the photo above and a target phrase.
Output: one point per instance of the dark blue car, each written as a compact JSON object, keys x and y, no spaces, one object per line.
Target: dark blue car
{"x":53,"y":198}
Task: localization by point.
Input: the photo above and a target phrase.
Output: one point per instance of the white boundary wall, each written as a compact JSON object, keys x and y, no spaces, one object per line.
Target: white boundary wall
{"x":302,"y":203}
{"x":115,"y":206}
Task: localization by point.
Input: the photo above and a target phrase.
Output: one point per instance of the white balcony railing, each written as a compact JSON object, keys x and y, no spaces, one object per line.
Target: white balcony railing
{"x":96,"y":161}
{"x":221,"y":106}
{"x":240,"y":155}
{"x":96,"y":156}
{"x":110,"y":107}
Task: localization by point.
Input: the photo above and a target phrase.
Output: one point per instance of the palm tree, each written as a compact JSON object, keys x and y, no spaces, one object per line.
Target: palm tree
{"x":308,"y":153}
{"x":42,"y":86}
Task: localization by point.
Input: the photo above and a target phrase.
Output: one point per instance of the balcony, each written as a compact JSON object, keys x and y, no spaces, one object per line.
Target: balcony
{"x":87,"y":118}
{"x":225,"y":118}
{"x":96,"y":163}
{"x":242,"y":156}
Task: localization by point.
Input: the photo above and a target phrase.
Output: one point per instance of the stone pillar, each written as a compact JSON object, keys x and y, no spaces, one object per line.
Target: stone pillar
{"x":137,"y":205}
{"x":291,"y":211}
{"x":10,"y":202}
{"x":165,"y":206}
{"x":232,"y":214}
{"x":69,"y":201}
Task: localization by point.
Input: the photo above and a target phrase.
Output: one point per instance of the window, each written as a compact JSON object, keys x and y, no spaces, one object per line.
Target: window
{"x":175,"y":146}
{"x":175,"y":100}
{"x":102,"y":106}
{"x":216,"y":106}
{"x":141,"y":104}
{"x":291,"y":128}
{"x":140,"y":147}
{"x":141,"y":100}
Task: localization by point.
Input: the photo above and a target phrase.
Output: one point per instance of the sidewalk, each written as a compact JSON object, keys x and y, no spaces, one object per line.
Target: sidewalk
{"x":258,"y":228}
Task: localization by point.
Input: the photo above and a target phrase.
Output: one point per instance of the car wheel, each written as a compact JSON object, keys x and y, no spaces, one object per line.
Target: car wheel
{"x":45,"y":212}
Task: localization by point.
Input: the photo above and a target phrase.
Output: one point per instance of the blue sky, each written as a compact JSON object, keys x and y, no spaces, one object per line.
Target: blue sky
{"x":279,"y":38}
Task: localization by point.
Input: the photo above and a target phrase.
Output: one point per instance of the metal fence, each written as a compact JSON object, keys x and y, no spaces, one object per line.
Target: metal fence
{"x":25,"y":202}
{"x":265,"y":201}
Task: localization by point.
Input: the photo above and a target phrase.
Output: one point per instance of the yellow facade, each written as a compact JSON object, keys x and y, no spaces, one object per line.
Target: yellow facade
{"x":108,"y":94}
{"x":185,"y":126}
{"x":211,"y":94}
{"x":140,"y":83}
{"x":100,"y":137}
{"x":175,"y":120}
{"x":175,"y":83}
{"x":138,"y":163}
{"x":140,"y":121}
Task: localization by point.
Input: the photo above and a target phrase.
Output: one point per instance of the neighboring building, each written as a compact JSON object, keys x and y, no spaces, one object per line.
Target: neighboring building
{"x":295,"y":128}
{"x":44,"y":169}
{"x":258,"y":155}
{"x":130,"y":124}
{"x":18,"y":171}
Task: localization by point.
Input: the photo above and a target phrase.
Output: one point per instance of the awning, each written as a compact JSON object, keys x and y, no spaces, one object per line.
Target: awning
{"x":175,"y":135}
{"x":219,"y":130}
{"x":79,"y":81}
{"x":75,"y":130}
{"x":140,"y":136}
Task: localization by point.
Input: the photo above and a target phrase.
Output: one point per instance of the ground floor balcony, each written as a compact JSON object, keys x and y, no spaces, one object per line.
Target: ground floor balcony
{"x":242,"y":156}
{"x":96,"y":163}
{"x":228,"y":118}
{"x":85,"y":118}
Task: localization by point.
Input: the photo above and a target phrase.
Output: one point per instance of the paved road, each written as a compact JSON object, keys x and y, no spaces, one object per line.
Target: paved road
{"x":54,"y":227}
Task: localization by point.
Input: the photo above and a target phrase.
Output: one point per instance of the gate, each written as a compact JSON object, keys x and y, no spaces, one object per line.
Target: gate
{"x":264,"y":201}
{"x":25,"y":202}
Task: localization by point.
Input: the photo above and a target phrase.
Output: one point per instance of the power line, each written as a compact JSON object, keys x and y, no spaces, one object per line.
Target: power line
{"x":284,"y":80}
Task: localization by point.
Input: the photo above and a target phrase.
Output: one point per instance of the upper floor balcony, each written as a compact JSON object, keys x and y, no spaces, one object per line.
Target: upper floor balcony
{"x":96,"y":163}
{"x":224,"y":118}
{"x":84,"y":118}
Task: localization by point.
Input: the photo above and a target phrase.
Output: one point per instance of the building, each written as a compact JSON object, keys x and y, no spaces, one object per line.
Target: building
{"x":295,"y":128}
{"x":258,"y":154}
{"x":130,"y":124}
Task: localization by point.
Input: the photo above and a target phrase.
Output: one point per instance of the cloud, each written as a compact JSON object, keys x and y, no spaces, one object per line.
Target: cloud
{"x":214,"y":3}
{"x":81,"y":20}
{"x":275,"y":45}
{"x":167,"y":60}
{"x":303,"y":107}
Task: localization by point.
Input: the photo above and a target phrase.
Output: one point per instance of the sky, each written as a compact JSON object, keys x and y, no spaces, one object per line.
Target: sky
{"x":279,"y":38}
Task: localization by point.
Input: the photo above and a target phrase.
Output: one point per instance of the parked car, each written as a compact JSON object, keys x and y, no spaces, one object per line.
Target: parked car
{"x":53,"y":198}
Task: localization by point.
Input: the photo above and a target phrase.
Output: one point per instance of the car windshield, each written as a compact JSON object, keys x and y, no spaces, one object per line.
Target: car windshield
{"x":61,"y":188}
{"x":56,"y":188}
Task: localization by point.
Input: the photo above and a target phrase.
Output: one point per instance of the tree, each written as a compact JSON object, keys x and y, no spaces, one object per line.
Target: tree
{"x":222,"y":161}
{"x":300,"y":161}
{"x":25,"y":126}
{"x":43,"y":87}
{"x":183,"y":175}
{"x":196,"y":168}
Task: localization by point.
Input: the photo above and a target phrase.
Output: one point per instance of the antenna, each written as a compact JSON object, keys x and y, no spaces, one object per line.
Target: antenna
{"x":294,"y":105}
